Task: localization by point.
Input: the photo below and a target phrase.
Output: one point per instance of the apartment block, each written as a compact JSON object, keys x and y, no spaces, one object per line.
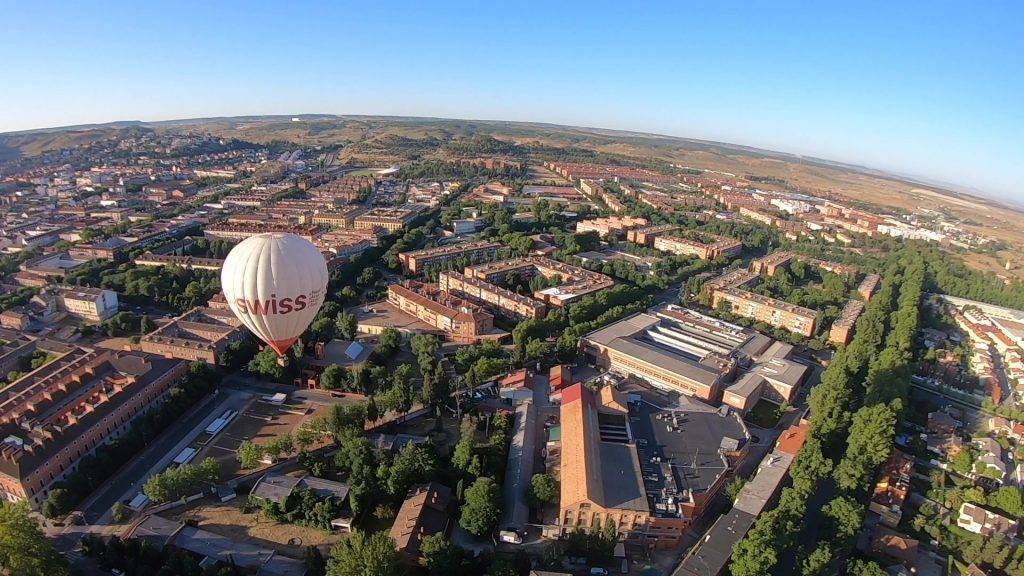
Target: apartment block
{"x":61,"y":412}
{"x":341,"y":218}
{"x":390,"y":219}
{"x":459,"y":319}
{"x":646,"y":235}
{"x":505,"y":302}
{"x":415,"y":261}
{"x":89,"y":304}
{"x":239,"y":231}
{"x":703,"y":246}
{"x":614,"y":226}
{"x":868,"y":286}
{"x":201,"y":334}
{"x":769,"y":310}
{"x":574,"y":282}
{"x":841,"y":332}
{"x":188,"y":262}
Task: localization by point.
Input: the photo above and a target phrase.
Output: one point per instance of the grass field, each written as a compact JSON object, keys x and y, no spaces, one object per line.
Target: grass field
{"x":764,"y":414}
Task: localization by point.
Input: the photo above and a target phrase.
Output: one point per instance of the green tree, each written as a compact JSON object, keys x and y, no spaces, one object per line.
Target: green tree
{"x":425,"y":345}
{"x":316,"y":565}
{"x":346,"y":325}
{"x":184,"y":480}
{"x":436,"y":390}
{"x":440,"y":556}
{"x":414,"y":463}
{"x":869,"y":444}
{"x":1009,"y":499}
{"x":733,"y":489}
{"x":857,"y":567}
{"x":389,"y":341}
{"x":482,"y":508}
{"x":845,"y":516}
{"x":57,"y":503}
{"x":818,"y":561}
{"x":265,"y":364}
{"x":249,"y":454}
{"x":24,"y":549}
{"x":364,"y":554}
{"x":119,"y":512}
{"x":279,"y":446}
{"x":543,"y":490}
{"x":334,"y":377}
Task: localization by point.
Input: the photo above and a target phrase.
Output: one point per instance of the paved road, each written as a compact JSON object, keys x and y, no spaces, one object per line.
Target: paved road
{"x":972,"y":415}
{"x":126,"y":478}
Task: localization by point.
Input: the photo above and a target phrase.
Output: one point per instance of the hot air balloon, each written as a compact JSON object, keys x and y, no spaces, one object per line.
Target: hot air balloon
{"x":275,"y":283}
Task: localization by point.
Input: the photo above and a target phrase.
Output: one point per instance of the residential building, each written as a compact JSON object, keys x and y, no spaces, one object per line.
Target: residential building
{"x":891,"y":489}
{"x":188,"y":262}
{"x":61,"y":412}
{"x":468,"y":253}
{"x":769,"y":310}
{"x":573,"y":282}
{"x":237,"y":231}
{"x":647,"y":234}
{"x":868,"y":286}
{"x":614,"y":226}
{"x":200,"y":334}
{"x":978,"y":520}
{"x":892,"y":547}
{"x":390,"y":219}
{"x":459,"y":319}
{"x":702,"y":245}
{"x":89,"y":304}
{"x":503,"y":302}
{"x":841,"y":332}
{"x":426,"y":511}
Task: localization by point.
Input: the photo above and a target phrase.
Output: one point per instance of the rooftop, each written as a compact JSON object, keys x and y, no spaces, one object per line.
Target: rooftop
{"x":677,"y":339}
{"x":424,"y":511}
{"x":451,"y":249}
{"x":634,"y":455}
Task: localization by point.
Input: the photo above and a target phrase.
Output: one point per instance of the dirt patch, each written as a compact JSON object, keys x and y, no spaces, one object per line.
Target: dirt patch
{"x":259,"y":422}
{"x":227,"y":519}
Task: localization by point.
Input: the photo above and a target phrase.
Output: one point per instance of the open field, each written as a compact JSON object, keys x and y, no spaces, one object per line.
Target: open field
{"x":228,"y":520}
{"x":537,"y":173}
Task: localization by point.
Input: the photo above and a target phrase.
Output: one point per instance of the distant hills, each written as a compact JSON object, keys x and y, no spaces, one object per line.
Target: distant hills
{"x":323,"y":129}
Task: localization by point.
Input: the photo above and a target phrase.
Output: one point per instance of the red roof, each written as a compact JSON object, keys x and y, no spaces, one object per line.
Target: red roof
{"x":574,"y":393}
{"x":559,"y":377}
{"x":793,"y":438}
{"x":516,"y":379}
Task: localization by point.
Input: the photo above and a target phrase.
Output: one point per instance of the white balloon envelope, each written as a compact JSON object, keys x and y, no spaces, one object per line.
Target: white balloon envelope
{"x":275,"y":283}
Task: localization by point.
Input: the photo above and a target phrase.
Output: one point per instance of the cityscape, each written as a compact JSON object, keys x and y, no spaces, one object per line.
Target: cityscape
{"x":400,"y":344}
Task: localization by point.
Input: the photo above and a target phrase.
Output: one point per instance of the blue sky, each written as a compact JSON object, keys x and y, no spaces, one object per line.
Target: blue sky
{"x":934,"y":89}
